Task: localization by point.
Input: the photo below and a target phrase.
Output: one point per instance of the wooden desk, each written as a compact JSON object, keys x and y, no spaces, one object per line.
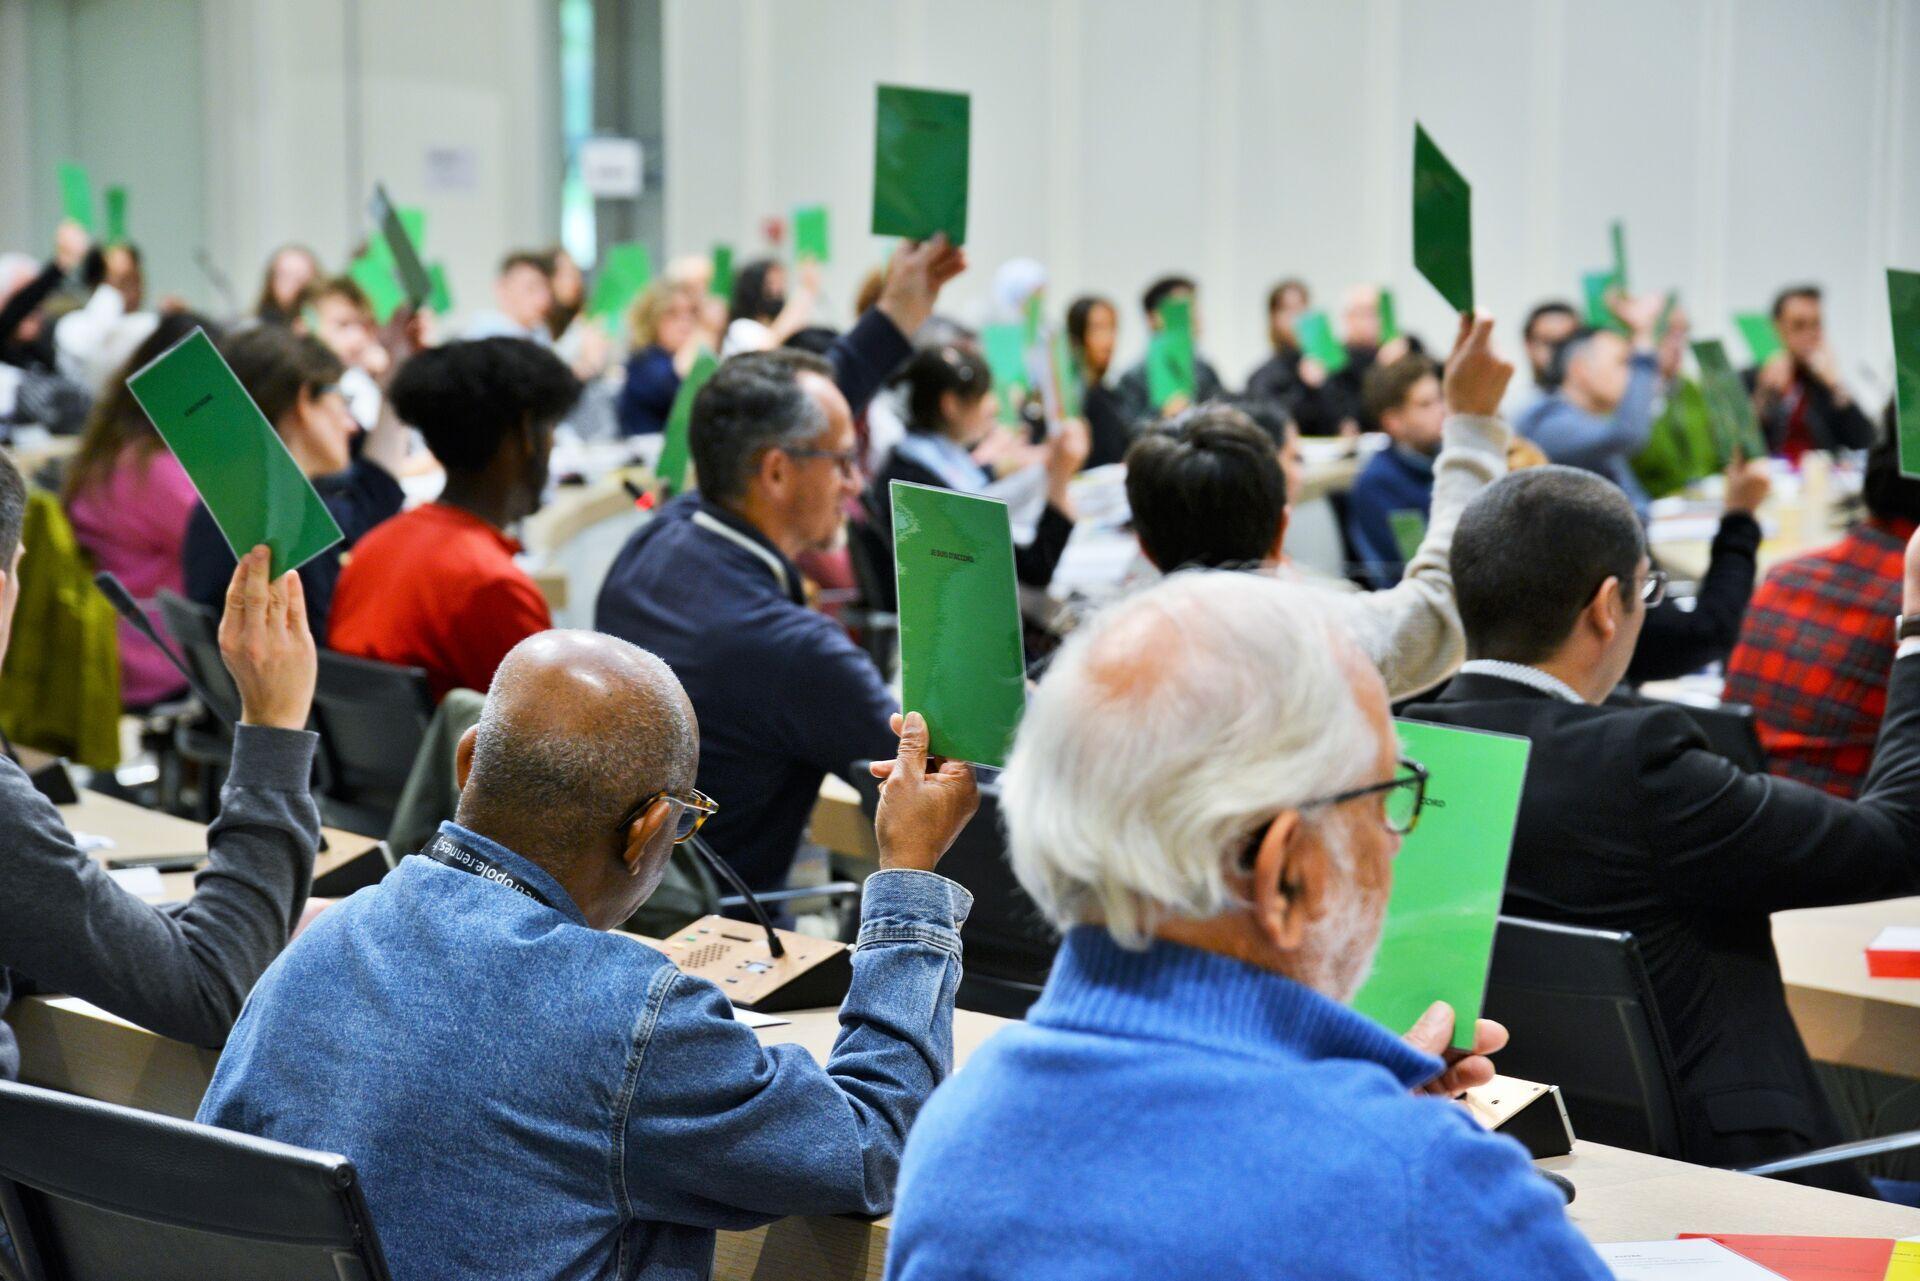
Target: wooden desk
{"x":136,"y":831}
{"x":1844,"y":1015}
{"x":840,"y":825}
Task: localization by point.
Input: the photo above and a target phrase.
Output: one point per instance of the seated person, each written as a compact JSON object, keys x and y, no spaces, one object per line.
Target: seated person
{"x":473,"y":1014}
{"x":295,"y":381}
{"x":1093,"y":325}
{"x":179,"y":969}
{"x":1802,"y":400}
{"x":664,"y":347}
{"x":1397,"y":482}
{"x":1630,"y":822}
{"x":1212,"y":492}
{"x":1547,"y":326}
{"x":1819,"y":622}
{"x":951,"y":409}
{"x":32,"y":390}
{"x":710,"y":584}
{"x":522,"y":297}
{"x":1190,"y":1073}
{"x":129,"y":501}
{"x":347,"y":326}
{"x":1600,"y":413}
{"x":761,"y":314}
{"x":1131,"y":394}
{"x":290,"y":271}
{"x":92,"y":342}
{"x":437,"y":587}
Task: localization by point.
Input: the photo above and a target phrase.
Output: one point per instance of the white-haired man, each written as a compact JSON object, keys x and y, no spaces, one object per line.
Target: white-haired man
{"x":1205,"y":796}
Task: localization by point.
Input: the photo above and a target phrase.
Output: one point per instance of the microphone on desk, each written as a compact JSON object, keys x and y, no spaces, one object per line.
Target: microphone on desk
{"x":124,"y":605}
{"x":732,"y":878}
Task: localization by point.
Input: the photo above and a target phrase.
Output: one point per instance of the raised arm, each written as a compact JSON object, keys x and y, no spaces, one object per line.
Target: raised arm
{"x":879,"y":341}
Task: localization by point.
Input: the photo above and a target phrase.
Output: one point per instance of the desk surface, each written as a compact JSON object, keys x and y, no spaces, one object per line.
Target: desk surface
{"x":1845,"y":1015}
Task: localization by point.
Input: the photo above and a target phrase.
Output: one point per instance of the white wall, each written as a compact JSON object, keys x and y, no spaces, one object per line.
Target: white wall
{"x":1745,"y":143}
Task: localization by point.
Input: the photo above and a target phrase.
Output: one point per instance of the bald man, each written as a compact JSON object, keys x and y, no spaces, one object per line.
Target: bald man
{"x":527,"y":1095}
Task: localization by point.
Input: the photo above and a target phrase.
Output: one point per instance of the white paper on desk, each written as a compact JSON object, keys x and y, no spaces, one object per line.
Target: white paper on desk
{"x":1896,"y":938}
{"x":753,"y":1018}
{"x":1695,"y":1260}
{"x":141,"y":882}
{"x":87,"y":842}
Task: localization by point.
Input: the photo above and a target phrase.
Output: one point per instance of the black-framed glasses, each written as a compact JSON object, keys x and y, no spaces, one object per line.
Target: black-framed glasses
{"x":1654,"y":590}
{"x":1400,"y":807}
{"x":847,"y":460}
{"x":691,"y":811}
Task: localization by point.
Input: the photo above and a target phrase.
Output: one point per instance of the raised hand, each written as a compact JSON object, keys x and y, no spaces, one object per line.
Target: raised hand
{"x":1476,"y":376}
{"x":915,"y":277}
{"x":267,"y":646}
{"x":924,"y":803}
{"x":1433,"y":1034}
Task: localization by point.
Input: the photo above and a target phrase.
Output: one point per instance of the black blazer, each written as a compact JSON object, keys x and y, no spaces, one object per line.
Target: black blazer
{"x":1630,"y":822}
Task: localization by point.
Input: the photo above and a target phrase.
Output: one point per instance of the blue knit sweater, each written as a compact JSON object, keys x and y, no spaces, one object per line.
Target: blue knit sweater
{"x":1173,"y":1113}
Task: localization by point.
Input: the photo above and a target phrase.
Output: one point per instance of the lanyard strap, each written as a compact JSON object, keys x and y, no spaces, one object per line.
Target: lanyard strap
{"x":450,"y":853}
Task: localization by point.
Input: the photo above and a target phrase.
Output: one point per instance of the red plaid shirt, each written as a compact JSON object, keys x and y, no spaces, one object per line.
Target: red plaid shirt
{"x":1815,"y":652}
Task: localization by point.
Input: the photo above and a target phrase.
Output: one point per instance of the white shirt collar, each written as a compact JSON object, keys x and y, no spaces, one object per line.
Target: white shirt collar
{"x":1521,"y":674}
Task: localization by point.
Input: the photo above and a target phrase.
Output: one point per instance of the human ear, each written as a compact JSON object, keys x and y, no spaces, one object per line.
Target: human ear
{"x":463,"y":757}
{"x":1289,"y":877}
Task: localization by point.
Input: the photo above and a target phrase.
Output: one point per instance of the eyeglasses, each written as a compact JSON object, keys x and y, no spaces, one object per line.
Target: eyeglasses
{"x":1654,"y":590}
{"x":847,"y":460}
{"x":691,"y":812}
{"x":1405,"y":792}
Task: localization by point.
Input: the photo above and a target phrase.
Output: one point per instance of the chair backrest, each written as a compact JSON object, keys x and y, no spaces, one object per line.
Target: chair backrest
{"x":196,"y":633}
{"x":1582,"y":1014}
{"x":91,"y":1191}
{"x":372,"y":718}
{"x":1009,"y":944}
{"x":1731,"y":733}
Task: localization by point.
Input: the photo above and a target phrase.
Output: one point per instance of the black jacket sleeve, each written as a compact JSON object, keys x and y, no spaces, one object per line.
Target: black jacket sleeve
{"x":864,"y":357}
{"x":1836,"y":426}
{"x":1674,"y":641}
{"x":1034,"y":562}
{"x":26,"y":298}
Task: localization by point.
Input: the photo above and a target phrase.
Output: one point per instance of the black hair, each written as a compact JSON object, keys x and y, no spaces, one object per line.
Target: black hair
{"x":931,"y":373}
{"x":93,"y":267}
{"x":1551,"y":307}
{"x":1080,"y":312}
{"x":752,"y":403}
{"x":750,"y":300}
{"x":1386,"y":387}
{"x":1530,"y":551}
{"x":469,"y":397}
{"x":1781,"y":299}
{"x":1888,"y":494}
{"x":1157,"y":291}
{"x":540,"y":262}
{"x":817,"y":339}
{"x":275,"y":365}
{"x":13,"y":510}
{"x":1206,"y":490}
{"x":1269,"y":415}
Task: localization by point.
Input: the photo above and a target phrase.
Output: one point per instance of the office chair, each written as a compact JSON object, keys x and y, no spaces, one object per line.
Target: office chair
{"x":870,"y":554}
{"x":1008,"y":945}
{"x":1582,"y":1013}
{"x":90,"y":1191}
{"x":372,"y":718}
{"x":205,"y":740}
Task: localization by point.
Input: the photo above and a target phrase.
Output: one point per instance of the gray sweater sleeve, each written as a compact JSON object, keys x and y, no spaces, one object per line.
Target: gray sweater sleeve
{"x":183,"y":972}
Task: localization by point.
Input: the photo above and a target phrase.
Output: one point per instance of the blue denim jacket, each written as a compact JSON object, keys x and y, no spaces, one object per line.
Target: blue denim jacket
{"x":526,"y":1096}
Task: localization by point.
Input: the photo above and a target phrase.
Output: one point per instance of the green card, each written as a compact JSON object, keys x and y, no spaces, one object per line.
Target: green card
{"x":1619,"y":234}
{"x":920,"y":145}
{"x":1903,"y":303}
{"x":722,"y":286}
{"x":1664,"y":321}
{"x":1762,"y":339}
{"x":245,"y":475}
{"x":1170,"y":359}
{"x":76,"y":195}
{"x":402,"y":250}
{"x":1595,"y":285}
{"x":1442,"y":223}
{"x":1729,"y":405}
{"x":377,"y":281}
{"x":116,"y":215}
{"x":961,"y":662}
{"x":1682,"y":446}
{"x":810,"y":233}
{"x":440,"y":298}
{"x":1315,"y":333}
{"x":676,"y":450}
{"x":1409,"y":530}
{"x":1389,"y":319}
{"x":1067,"y":376}
{"x":1448,"y":879}
{"x":624,"y":271}
{"x":1005,"y":347}
{"x":413,"y":220}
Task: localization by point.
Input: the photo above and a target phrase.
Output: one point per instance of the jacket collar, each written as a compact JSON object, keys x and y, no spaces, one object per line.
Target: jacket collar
{"x":723,"y":524}
{"x":1478,"y":687}
{"x":519,"y":866}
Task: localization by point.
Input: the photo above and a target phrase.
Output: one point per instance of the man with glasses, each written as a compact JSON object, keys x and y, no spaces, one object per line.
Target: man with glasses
{"x":1630,"y":822}
{"x":1204,"y":797}
{"x":527,"y":1095}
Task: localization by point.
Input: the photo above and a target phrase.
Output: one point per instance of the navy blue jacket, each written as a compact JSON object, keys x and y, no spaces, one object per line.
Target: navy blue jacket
{"x":1392,"y":481}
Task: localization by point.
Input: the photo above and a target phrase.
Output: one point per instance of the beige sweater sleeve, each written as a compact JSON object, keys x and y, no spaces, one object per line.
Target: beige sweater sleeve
{"x":1411,"y":631}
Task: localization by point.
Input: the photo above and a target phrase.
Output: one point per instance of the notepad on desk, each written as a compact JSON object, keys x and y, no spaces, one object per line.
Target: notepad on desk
{"x":1697,"y":1259}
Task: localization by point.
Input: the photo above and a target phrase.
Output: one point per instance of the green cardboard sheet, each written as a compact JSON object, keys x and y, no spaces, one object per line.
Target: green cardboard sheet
{"x":1619,"y":236}
{"x":1762,"y":339}
{"x":1664,"y":321}
{"x":249,"y":482}
{"x":1170,"y":358}
{"x":402,"y":250}
{"x":1683,"y":445}
{"x":1442,"y":223}
{"x":1729,"y":406}
{"x":1315,"y":333}
{"x":76,"y":195}
{"x":1389,"y":318}
{"x":624,"y":271}
{"x":1903,"y":304}
{"x":920,"y":163}
{"x":1594,"y":286}
{"x":961,"y":663}
{"x":1448,"y":879}
{"x":810,"y":241}
{"x":440,"y":299}
{"x":376,"y":279}
{"x":1005,"y":347}
{"x":1409,"y":528}
{"x":116,"y":215}
{"x":676,"y":451}
{"x":722,"y":286}
{"x":1067,"y":375}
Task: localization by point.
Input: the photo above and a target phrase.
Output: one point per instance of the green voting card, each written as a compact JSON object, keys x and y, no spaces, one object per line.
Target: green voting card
{"x":722,"y":284}
{"x":1664,"y":321}
{"x":1389,"y":319}
{"x":1170,"y":359}
{"x":440,"y":299}
{"x":920,"y":145}
{"x":810,"y":233}
{"x":1005,"y":347}
{"x":116,"y":215}
{"x":402,"y":249}
{"x":1728,"y":403}
{"x":249,"y":482}
{"x":1067,"y":376}
{"x":624,"y":271}
{"x":961,"y":662}
{"x":1596,"y":285}
{"x":376,"y":280}
{"x":1448,"y":878}
{"x":676,"y":450}
{"x":1409,"y":528}
{"x":1903,"y":303}
{"x":76,"y":195}
{"x":1442,"y":223}
{"x":1619,"y":235}
{"x":1316,"y":339}
{"x":1762,"y":339}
